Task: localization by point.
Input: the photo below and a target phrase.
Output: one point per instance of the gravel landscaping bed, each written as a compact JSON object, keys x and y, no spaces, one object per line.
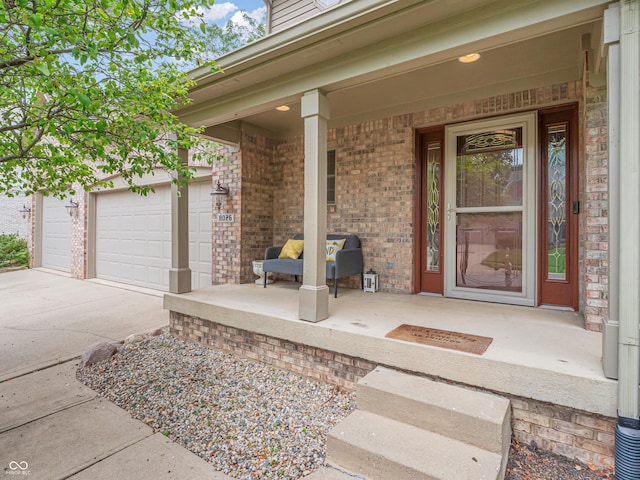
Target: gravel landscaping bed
{"x":247,"y":419}
{"x":250,"y":420}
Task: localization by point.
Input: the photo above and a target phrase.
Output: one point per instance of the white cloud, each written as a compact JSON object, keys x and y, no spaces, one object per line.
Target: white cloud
{"x":258,"y":14}
{"x":219,"y":11}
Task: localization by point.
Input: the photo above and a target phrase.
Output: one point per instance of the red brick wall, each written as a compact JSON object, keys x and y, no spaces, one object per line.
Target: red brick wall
{"x":570,"y":433}
{"x":595,"y":232}
{"x":288,"y":181}
{"x":375,"y":195}
{"x":257,"y":202}
{"x":226,"y":243}
{"x":321,"y":365}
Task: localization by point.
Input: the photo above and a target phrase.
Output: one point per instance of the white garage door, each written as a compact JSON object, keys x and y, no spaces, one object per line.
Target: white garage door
{"x":56,"y":235}
{"x":133,"y":237}
{"x":200,"y":234}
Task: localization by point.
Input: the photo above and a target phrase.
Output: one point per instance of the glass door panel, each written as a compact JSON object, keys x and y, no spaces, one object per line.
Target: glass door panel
{"x":489,"y":251}
{"x":490,"y":168}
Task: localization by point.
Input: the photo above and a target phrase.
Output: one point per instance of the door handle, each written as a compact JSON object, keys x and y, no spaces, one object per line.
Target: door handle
{"x":449,"y":210}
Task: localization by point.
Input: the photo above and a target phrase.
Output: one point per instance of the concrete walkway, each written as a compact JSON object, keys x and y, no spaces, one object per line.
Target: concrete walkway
{"x":52,"y":426}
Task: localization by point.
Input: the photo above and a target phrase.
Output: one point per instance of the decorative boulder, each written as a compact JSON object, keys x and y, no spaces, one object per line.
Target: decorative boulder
{"x":97,"y":352}
{"x":141,"y":337}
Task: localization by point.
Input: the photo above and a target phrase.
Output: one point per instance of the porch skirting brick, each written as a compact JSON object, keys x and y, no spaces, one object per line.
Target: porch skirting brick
{"x":320,"y":365}
{"x":574,"y":434}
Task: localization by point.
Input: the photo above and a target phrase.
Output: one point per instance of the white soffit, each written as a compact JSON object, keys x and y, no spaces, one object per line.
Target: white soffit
{"x":261,"y":86}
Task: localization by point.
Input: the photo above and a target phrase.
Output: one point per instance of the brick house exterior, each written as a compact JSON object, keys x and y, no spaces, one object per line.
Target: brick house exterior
{"x":384,"y":221}
{"x":358,"y":89}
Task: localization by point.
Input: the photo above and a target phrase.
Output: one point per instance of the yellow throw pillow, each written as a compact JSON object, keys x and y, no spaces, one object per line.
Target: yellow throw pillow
{"x":292,"y":249}
{"x":333,"y":246}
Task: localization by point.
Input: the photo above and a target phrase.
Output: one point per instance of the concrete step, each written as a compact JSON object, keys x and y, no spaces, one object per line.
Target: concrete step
{"x":473,"y":417}
{"x":331,"y":473}
{"x":380,"y":448}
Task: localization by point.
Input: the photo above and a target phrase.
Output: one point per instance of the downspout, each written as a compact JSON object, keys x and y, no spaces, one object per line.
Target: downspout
{"x":269,"y":4}
{"x":611,"y":327}
{"x":627,"y":434}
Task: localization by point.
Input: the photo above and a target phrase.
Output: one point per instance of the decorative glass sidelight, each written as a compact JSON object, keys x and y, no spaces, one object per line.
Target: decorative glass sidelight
{"x":433,"y":206}
{"x":556,"y":202}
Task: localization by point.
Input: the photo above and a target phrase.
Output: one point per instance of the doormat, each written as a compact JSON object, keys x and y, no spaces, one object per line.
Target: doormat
{"x":441,"y":338}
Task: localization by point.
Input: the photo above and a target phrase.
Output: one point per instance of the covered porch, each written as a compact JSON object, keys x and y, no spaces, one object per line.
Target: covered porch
{"x":540,"y":354}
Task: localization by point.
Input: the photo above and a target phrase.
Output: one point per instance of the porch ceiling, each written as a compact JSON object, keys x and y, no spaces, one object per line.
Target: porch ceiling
{"x":553,"y":58}
{"x":377,"y":58}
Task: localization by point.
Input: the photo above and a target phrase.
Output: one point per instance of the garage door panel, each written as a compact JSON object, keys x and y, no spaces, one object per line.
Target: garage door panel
{"x":200,"y":233}
{"x":129,"y":236}
{"x":56,"y":235}
{"x":133,"y":237}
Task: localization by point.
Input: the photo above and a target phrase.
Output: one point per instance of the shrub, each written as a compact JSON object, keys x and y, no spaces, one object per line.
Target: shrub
{"x":14,"y":251}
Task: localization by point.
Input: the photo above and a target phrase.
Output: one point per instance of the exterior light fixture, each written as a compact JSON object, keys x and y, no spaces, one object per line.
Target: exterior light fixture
{"x":283,"y":108}
{"x":219,"y":192}
{"x":72,"y":207}
{"x":25,"y":211}
{"x":470,"y":58}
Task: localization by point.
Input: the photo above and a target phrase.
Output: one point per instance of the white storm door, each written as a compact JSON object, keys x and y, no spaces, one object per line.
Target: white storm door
{"x":490,"y":210}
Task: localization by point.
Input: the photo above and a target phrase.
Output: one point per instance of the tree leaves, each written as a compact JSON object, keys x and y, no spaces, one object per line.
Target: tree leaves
{"x":87,"y":90}
{"x":43,"y":68}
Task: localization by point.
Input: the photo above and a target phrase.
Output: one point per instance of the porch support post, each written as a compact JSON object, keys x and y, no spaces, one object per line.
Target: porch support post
{"x":611,"y":327}
{"x":314,"y":293}
{"x":627,"y":448}
{"x":180,"y":273}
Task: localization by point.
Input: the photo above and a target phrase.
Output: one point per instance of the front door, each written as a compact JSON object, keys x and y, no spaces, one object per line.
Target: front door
{"x":490,"y":210}
{"x":497,"y":209}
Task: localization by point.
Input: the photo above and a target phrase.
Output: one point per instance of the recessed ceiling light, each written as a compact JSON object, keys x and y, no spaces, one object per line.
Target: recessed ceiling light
{"x":472,"y":57}
{"x":282,"y":108}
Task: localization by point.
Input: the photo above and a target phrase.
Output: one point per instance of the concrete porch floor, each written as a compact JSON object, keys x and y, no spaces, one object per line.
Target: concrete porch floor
{"x":536,"y":353}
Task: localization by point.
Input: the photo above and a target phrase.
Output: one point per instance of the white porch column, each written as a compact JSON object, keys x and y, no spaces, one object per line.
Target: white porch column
{"x":629,"y":285}
{"x":314,"y":292}
{"x":611,"y":327}
{"x":180,"y":273}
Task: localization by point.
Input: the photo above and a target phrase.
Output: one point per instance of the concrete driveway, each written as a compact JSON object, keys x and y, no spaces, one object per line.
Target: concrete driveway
{"x":46,"y":318}
{"x":53,"y":427}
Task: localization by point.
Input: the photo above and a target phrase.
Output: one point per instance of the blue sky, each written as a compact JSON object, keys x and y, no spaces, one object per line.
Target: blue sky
{"x":225,"y":10}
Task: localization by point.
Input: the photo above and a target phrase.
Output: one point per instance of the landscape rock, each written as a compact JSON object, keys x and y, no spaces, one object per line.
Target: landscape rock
{"x":142,"y":336}
{"x":136,"y":338}
{"x":97,"y":352}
